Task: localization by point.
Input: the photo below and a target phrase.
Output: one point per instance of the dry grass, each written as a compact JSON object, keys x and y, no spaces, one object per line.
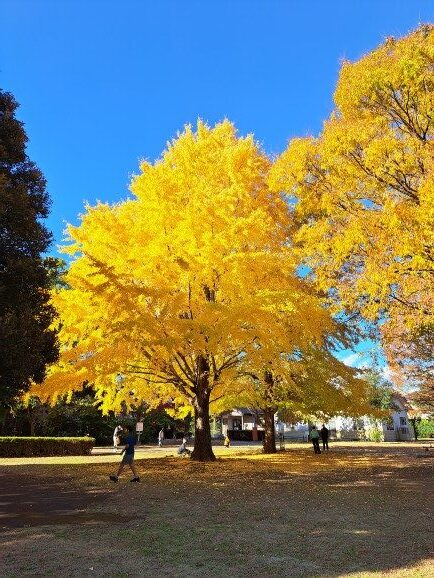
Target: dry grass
{"x":349,"y":513}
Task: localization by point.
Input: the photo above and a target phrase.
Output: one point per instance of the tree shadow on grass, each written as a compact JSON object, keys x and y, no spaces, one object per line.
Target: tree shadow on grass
{"x":44,"y":496}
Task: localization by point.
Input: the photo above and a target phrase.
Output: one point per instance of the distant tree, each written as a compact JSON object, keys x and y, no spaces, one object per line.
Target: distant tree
{"x":312,"y":383}
{"x":27,"y":343}
{"x":410,"y":357}
{"x":424,"y":399}
{"x":382,"y":391}
{"x":425,"y":428}
{"x":56,"y":269}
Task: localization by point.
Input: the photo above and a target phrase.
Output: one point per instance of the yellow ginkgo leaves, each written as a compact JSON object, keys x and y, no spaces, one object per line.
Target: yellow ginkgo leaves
{"x":173,"y":292}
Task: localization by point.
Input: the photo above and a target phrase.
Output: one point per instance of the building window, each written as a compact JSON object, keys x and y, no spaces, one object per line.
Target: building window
{"x":404,"y":430}
{"x":402,"y":421}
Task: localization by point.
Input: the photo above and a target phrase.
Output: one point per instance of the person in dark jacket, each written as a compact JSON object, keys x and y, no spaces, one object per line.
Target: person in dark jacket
{"x":324,"y":432}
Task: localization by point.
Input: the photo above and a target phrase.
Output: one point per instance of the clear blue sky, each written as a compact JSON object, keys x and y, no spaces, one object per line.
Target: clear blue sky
{"x":104,"y":83}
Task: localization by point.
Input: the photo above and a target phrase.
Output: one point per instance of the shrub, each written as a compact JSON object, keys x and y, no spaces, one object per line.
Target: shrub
{"x":425,"y":428}
{"x":45,"y":446}
{"x":375,"y":435}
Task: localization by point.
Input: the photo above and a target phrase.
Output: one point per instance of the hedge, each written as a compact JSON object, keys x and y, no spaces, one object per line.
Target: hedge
{"x":27,"y":447}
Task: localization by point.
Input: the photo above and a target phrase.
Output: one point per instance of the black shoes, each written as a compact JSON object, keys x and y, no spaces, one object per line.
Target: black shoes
{"x":116,"y":479}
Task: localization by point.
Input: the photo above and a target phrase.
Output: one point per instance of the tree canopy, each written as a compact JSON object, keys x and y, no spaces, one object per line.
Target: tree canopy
{"x":172,"y":291}
{"x":27,"y":342}
{"x":362,"y":195}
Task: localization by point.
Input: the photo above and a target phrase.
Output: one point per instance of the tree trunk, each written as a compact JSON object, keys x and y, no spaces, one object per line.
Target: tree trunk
{"x":270,"y":436}
{"x":4,"y":414}
{"x":413,"y":423}
{"x":269,"y":411}
{"x":202,"y":451}
{"x":31,"y":422}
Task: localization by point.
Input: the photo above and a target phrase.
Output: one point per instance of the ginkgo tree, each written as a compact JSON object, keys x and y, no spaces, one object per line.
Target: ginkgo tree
{"x":362,"y":193}
{"x":171,"y":290}
{"x":308,"y":384}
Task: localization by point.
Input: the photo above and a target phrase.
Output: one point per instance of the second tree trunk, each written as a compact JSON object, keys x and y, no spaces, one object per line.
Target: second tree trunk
{"x":269,"y":433}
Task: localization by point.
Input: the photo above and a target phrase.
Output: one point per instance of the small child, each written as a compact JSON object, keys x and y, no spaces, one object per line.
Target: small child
{"x":227,"y":442}
{"x":128,"y":459}
{"x":183,"y":450}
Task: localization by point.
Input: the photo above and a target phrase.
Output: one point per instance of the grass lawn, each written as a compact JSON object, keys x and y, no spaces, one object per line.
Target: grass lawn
{"x":360,"y":510}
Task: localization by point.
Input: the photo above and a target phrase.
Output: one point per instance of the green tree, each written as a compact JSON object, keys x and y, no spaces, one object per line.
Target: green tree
{"x":381,"y":391}
{"x":26,"y":341}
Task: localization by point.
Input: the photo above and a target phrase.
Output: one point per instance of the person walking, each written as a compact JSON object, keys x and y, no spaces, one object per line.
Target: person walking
{"x":160,"y":438}
{"x":324,"y":432}
{"x":314,"y":438}
{"x":116,"y":437}
{"x":128,"y":457}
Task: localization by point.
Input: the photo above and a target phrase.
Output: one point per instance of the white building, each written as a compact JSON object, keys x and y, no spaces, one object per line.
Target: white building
{"x":398,"y":427}
{"x":241,"y":422}
{"x":242,"y":418}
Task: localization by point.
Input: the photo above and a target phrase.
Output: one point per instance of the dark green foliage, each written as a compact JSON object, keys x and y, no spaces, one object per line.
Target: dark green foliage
{"x":27,"y":447}
{"x":81,"y":416}
{"x":155,"y":419}
{"x":56,"y":269}
{"x":26,"y":342}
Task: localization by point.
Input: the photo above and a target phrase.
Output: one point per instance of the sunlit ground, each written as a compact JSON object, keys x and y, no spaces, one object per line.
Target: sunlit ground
{"x":107,"y":455}
{"x":361,"y":510}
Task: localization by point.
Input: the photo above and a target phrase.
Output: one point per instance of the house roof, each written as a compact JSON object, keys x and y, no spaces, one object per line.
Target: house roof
{"x":242,"y":411}
{"x":400,"y":400}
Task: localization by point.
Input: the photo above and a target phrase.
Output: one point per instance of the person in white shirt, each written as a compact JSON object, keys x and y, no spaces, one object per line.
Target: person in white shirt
{"x":183,"y":450}
{"x":116,"y":437}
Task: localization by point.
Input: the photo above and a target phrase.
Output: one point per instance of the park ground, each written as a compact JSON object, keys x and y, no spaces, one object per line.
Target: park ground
{"x":360,"y":510}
